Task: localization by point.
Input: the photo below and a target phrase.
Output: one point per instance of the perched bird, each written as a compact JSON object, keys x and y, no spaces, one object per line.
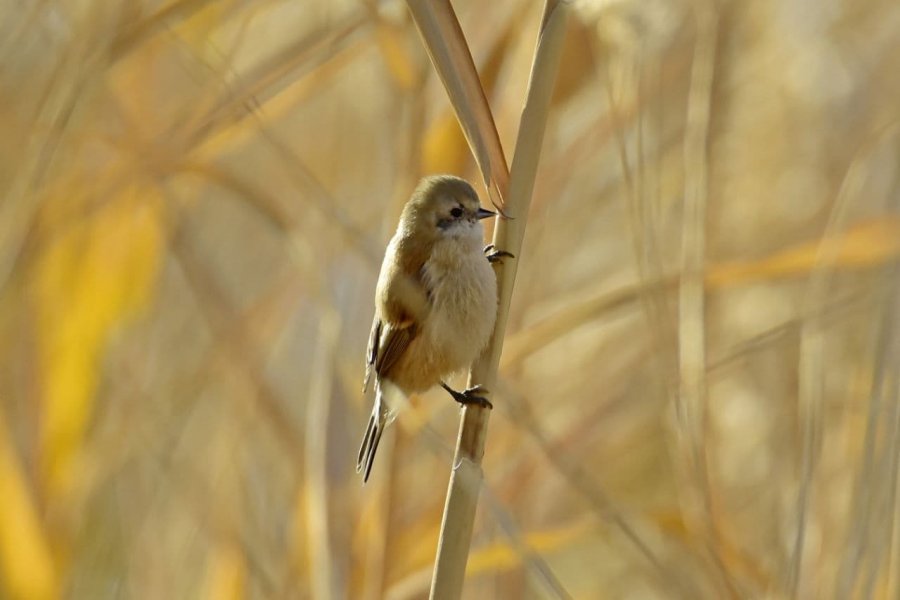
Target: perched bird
{"x":435,"y":303}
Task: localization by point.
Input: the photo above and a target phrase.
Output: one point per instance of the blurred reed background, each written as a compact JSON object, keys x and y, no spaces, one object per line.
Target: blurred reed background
{"x":195,"y":199}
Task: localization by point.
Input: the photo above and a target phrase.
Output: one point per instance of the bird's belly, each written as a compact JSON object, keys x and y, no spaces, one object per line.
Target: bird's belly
{"x":463,"y":310}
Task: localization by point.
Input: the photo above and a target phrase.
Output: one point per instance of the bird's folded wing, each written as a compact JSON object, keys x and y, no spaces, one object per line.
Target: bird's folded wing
{"x":402,"y":305}
{"x":394,"y":342}
{"x":387,"y":343}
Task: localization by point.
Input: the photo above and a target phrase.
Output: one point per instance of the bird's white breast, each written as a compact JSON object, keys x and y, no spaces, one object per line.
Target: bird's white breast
{"x":463,"y":291}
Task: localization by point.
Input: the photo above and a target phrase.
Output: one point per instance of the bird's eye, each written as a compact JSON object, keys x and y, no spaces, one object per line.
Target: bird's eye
{"x":456,"y":212}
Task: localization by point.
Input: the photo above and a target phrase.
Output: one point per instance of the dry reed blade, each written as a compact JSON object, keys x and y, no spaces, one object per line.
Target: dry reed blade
{"x":465,"y":480}
{"x":812,"y":364}
{"x":324,"y":576}
{"x":449,"y":53}
{"x":691,"y":401}
{"x":26,"y":559}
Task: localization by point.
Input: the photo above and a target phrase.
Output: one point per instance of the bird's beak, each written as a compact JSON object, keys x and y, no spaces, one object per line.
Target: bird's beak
{"x":484,"y":213}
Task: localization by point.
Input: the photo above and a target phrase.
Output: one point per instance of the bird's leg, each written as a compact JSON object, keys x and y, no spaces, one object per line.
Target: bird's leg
{"x":493,"y":255}
{"x":470,"y":396}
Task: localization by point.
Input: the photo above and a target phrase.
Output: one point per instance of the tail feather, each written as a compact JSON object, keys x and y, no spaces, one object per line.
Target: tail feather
{"x":377,"y":423}
{"x":366,"y":442}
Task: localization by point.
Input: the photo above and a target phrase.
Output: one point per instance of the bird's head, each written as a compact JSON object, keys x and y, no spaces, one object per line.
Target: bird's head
{"x":445,"y":206}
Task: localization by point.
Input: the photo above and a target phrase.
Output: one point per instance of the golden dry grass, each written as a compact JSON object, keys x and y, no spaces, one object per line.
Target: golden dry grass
{"x":699,"y":393}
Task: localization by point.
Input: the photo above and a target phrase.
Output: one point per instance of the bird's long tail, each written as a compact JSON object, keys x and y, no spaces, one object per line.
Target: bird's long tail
{"x":378,"y":421}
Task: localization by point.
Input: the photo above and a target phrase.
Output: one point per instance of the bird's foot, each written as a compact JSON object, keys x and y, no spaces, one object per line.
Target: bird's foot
{"x":470,"y":396}
{"x":496,"y":256}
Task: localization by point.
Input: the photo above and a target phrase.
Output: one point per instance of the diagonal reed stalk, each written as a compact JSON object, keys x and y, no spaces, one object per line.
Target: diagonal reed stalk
{"x":452,"y":60}
{"x":449,"y":53}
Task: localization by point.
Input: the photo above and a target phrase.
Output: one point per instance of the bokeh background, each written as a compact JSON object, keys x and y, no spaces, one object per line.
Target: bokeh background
{"x":195,"y":198}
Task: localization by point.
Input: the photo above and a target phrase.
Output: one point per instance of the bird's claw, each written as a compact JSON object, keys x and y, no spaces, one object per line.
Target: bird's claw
{"x":470,"y":396}
{"x":496,"y":256}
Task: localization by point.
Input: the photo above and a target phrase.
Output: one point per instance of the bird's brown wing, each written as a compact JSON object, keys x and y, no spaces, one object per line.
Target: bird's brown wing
{"x":387,"y":343}
{"x":394,"y":343}
{"x":396,"y":324}
{"x":372,"y":351}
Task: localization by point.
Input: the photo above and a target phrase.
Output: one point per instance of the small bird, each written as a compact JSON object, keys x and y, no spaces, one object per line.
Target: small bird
{"x":435,"y":303}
